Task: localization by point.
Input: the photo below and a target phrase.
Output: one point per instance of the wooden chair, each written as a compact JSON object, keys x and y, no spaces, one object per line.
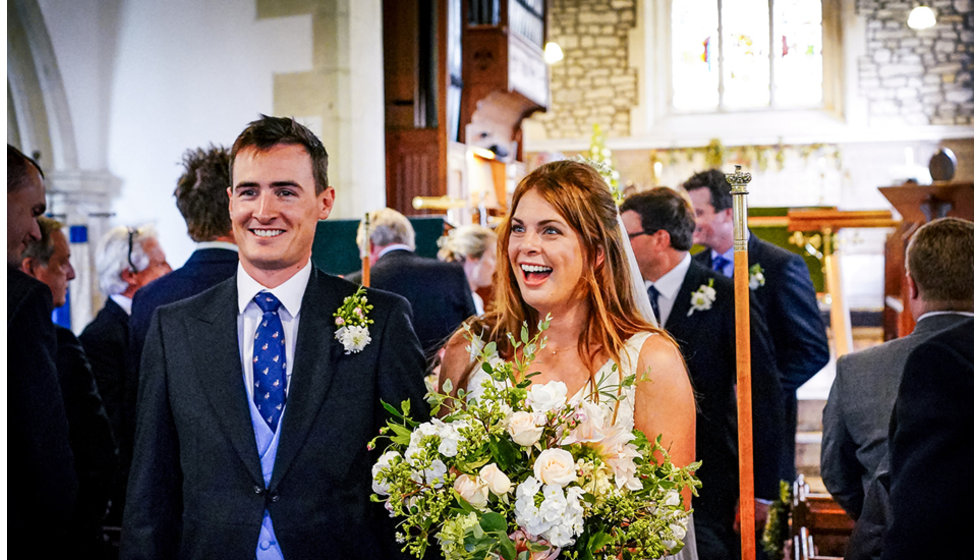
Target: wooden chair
{"x":817,"y":524}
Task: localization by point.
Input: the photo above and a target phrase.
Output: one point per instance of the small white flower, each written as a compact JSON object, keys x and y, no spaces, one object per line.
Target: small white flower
{"x":702,"y":299}
{"x":352,"y":322}
{"x":673,"y":498}
{"x":379,"y":486}
{"x":354,"y":338}
{"x":756,"y":276}
{"x":544,"y":398}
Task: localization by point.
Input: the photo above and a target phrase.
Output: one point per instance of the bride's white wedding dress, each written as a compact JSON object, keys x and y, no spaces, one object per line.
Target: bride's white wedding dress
{"x":607,"y":378}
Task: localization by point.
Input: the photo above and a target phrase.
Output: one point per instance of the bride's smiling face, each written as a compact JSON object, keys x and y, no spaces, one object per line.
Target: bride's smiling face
{"x":545,"y":253}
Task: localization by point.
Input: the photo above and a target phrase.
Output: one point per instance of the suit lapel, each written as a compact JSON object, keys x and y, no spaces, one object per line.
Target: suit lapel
{"x":682,"y":304}
{"x":313,"y":368}
{"x":213,"y":343}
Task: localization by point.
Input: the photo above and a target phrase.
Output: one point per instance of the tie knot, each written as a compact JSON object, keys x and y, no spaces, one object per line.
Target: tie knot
{"x":652,"y":292}
{"x":719,"y":262}
{"x":267,"y":302}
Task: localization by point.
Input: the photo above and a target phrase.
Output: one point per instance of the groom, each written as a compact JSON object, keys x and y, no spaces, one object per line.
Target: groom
{"x":232,"y":460}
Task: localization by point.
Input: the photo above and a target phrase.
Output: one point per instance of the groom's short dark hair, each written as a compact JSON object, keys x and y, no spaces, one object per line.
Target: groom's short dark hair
{"x":267,"y":132}
{"x":663,"y":208}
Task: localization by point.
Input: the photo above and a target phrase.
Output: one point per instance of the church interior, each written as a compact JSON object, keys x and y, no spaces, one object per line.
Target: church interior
{"x":855,"y":126}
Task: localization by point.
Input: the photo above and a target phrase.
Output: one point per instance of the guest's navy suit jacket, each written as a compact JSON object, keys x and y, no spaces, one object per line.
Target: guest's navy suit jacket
{"x":438,"y":292}
{"x":707,"y":342}
{"x":196,"y":488}
{"x":799,"y":338}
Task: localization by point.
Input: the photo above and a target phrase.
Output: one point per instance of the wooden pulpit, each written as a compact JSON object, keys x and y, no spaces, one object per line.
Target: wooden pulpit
{"x":917,"y":205}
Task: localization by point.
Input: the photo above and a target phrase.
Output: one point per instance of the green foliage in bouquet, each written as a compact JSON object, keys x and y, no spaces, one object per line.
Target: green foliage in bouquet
{"x":776,"y":531}
{"x":517,"y":470}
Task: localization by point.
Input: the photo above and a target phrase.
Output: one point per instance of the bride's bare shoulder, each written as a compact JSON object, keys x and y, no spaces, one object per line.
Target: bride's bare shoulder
{"x":660,"y":360}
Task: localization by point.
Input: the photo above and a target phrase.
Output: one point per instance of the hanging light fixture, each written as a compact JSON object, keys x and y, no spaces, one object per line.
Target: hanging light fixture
{"x":552,"y":52}
{"x":922,"y":17}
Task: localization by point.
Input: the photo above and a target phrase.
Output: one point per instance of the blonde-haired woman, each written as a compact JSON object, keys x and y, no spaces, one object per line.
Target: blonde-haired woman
{"x":473,"y":246}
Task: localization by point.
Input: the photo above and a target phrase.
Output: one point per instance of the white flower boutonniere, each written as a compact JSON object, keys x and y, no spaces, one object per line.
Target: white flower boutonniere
{"x":352,"y":322}
{"x":702,"y":299}
{"x":756,"y":278}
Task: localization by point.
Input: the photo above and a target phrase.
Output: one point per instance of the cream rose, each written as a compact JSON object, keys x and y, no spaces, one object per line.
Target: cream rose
{"x":550,"y":396}
{"x":523,"y":428}
{"x":472,"y":489}
{"x":495,"y":479}
{"x":555,"y":466}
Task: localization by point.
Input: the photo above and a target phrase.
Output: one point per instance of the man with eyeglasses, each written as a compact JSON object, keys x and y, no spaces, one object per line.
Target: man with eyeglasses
{"x":126,"y":259}
{"x":696,"y":305}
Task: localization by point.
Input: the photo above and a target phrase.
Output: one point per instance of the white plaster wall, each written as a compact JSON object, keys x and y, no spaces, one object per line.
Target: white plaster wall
{"x":146,"y":80}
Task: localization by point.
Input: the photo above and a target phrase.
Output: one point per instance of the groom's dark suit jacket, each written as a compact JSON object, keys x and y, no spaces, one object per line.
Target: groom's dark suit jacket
{"x":196,"y":488}
{"x":796,"y":329}
{"x":707,"y":341}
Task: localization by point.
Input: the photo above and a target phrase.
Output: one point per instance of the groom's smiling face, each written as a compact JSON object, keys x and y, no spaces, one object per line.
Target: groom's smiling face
{"x":274,"y":209}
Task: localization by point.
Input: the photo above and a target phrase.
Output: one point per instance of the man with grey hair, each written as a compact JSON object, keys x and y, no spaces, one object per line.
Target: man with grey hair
{"x":437,"y":291}
{"x":939,"y":276}
{"x":126,"y":259}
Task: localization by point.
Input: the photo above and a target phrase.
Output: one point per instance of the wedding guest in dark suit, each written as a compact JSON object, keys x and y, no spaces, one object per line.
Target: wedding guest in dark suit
{"x":41,"y":481}
{"x":931,"y":448}
{"x":202,"y":199}
{"x":438,"y":291}
{"x":861,"y":400}
{"x":90,"y":436}
{"x":253,"y":413}
{"x":126,"y":259}
{"x":781,"y":283}
{"x":697,"y":307}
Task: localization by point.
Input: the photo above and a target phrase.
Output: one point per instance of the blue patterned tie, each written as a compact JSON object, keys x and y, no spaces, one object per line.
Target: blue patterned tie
{"x":655,"y":302}
{"x":269,"y":361}
{"x":719,"y":263}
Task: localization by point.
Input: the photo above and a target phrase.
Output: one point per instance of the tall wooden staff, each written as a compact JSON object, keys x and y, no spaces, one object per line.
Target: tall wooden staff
{"x":366,"y":252}
{"x":743,"y":364}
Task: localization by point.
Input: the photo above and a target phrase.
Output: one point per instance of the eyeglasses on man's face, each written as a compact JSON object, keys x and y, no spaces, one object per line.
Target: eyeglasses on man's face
{"x":639,"y":233}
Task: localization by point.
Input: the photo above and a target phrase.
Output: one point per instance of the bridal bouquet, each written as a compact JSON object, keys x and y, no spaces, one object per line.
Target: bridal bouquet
{"x":519,"y":473}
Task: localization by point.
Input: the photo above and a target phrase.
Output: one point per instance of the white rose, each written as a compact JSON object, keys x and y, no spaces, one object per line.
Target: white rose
{"x":495,"y":479}
{"x":472,"y":489}
{"x":551,"y":396}
{"x":523,"y":429}
{"x":555,"y":466}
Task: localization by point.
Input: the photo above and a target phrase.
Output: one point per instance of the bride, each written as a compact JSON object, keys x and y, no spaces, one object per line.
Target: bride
{"x":561,"y":253}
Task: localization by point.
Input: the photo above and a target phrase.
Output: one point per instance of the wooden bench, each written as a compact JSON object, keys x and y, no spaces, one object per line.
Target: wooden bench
{"x":817,"y":525}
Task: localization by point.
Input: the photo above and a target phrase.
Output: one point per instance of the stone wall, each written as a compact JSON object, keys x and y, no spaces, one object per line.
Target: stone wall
{"x":594,"y":83}
{"x":917,"y":77}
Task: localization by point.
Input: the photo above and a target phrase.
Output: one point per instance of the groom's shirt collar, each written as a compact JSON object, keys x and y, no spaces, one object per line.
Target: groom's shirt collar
{"x":290,"y":293}
{"x":669,"y":285}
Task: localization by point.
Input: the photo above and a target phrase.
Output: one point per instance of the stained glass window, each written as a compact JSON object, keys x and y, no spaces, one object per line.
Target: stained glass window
{"x":733,"y":55}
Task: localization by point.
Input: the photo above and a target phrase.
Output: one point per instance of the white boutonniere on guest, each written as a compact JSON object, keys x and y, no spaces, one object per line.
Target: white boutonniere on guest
{"x":702,"y":299}
{"x":352,"y":322}
{"x":756,"y":278}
